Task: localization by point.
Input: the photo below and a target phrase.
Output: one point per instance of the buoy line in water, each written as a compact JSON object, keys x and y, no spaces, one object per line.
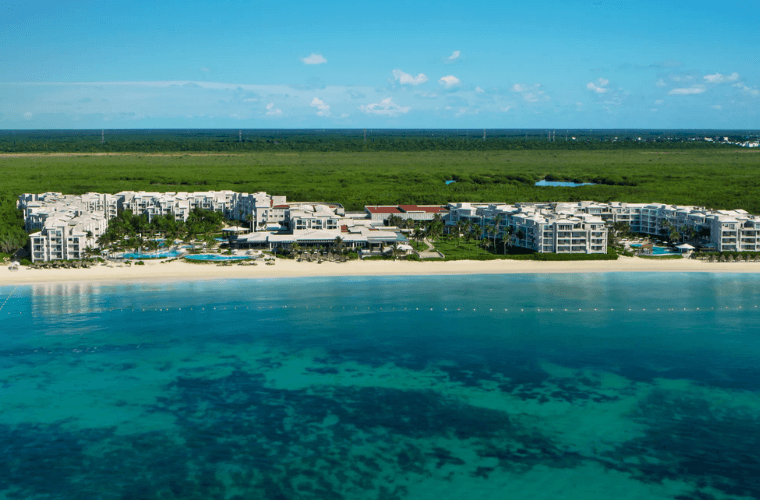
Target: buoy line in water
{"x":8,"y":297}
{"x":527,"y":310}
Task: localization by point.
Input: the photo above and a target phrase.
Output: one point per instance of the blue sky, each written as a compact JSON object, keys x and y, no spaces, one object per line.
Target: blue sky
{"x":394,"y":64}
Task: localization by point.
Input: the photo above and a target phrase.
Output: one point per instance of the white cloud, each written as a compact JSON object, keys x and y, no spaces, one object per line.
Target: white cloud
{"x":718,"y":78}
{"x":687,"y":91}
{"x":659,"y":102}
{"x":531,"y":93}
{"x":479,"y":90}
{"x":506,"y":108}
{"x":453,"y":57}
{"x":314,"y":59}
{"x":717,"y":106}
{"x":449,"y":81}
{"x":385,"y":107}
{"x":272,"y":111}
{"x":599,"y":89}
{"x":205,"y":69}
{"x":681,"y":78}
{"x":749,"y":90}
{"x":407,"y":79}
{"x":250,"y":99}
{"x":27,"y":116}
{"x":660,"y":83}
{"x":324,"y":109}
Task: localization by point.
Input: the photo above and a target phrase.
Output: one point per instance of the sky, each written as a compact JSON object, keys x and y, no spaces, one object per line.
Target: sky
{"x":119,"y":64}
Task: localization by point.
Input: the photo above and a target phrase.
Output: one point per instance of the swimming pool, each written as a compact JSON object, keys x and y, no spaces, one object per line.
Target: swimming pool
{"x":657,"y":250}
{"x":215,"y":257}
{"x":152,"y":255}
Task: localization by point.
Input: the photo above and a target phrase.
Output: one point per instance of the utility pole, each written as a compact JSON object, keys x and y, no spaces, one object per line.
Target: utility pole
{"x":102,"y":136}
{"x":484,"y":135}
{"x":240,"y":136}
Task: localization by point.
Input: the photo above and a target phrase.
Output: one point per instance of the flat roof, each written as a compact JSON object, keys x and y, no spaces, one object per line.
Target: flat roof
{"x":431,"y":209}
{"x":383,"y":210}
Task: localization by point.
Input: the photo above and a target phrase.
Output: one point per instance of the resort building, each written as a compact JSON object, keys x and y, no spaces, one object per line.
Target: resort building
{"x":64,"y":226}
{"x":541,"y":227}
{"x":315,"y":225}
{"x":406,"y":212}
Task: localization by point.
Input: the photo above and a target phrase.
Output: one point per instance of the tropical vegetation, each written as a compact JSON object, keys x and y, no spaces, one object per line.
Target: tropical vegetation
{"x":715,"y":177}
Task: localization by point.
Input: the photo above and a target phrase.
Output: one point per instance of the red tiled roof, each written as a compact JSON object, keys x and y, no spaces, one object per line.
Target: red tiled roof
{"x":383,"y":210}
{"x":281,"y":206}
{"x":431,"y":209}
{"x":343,"y":229}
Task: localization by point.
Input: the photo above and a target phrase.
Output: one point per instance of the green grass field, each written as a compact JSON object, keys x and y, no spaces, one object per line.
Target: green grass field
{"x":726,"y":178}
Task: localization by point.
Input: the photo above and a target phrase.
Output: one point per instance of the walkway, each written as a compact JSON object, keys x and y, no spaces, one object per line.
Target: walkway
{"x":431,"y":252}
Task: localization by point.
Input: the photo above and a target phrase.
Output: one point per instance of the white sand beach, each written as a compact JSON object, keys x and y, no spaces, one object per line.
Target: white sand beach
{"x":284,"y":268}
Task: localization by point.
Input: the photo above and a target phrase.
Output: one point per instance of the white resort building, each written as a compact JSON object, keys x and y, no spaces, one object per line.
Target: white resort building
{"x":69,"y":224}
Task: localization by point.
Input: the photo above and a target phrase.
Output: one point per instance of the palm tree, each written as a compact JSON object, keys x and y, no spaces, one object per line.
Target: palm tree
{"x":490,"y":230}
{"x":468,"y":231}
{"x":508,"y":240}
{"x":496,"y":225}
{"x":665,"y":228}
{"x":519,"y":234}
{"x":395,"y":250}
{"x":339,"y":245}
{"x":418,"y":235}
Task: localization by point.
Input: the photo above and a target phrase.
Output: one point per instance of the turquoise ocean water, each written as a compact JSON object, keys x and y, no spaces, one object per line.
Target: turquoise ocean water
{"x":597,"y":386}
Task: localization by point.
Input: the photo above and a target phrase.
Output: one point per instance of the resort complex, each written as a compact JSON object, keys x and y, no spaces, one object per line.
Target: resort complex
{"x":65,"y":226}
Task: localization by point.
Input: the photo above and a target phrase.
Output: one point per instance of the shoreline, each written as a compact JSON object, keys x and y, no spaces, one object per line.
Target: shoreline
{"x":154,"y":271}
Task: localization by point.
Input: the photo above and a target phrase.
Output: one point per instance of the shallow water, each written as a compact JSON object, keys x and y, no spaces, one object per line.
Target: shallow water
{"x":520,"y":386}
{"x":546,"y":183}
